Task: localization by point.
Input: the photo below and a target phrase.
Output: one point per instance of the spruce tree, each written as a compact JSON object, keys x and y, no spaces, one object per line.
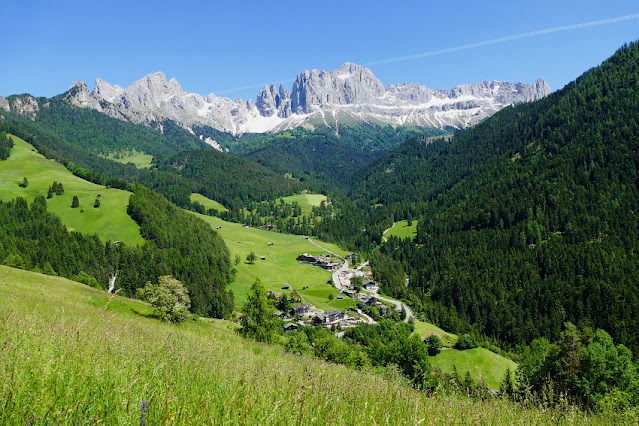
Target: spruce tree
{"x":258,"y":321}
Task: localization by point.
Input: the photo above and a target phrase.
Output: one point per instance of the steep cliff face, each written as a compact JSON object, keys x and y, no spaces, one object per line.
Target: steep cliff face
{"x":25,"y":105}
{"x":351,"y":93}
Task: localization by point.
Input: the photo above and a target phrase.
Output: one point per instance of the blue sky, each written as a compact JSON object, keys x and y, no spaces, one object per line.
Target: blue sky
{"x":219,"y":46}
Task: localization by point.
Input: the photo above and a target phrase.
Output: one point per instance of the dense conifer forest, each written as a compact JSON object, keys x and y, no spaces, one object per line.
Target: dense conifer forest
{"x":33,"y":239}
{"x":525,"y":221}
{"x":527,"y":235}
{"x":5,"y":146}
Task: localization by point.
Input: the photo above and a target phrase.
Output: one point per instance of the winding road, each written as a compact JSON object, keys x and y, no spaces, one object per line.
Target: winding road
{"x":338,"y":284}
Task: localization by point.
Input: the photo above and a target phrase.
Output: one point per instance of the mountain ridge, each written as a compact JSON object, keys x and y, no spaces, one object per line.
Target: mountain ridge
{"x":350,"y":93}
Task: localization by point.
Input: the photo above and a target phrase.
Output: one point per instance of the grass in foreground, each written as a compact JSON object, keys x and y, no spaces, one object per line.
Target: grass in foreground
{"x":110,"y":221}
{"x":75,"y":355}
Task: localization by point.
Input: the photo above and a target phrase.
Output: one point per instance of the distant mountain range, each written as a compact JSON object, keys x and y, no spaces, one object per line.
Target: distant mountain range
{"x":348,"y":95}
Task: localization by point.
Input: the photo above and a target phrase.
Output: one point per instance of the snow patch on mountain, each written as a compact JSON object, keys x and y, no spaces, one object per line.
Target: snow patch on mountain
{"x":350,"y":90}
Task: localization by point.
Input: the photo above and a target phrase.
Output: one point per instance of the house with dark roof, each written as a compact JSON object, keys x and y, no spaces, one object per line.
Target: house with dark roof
{"x":290,"y":326}
{"x":366,"y":301}
{"x":301,"y":310}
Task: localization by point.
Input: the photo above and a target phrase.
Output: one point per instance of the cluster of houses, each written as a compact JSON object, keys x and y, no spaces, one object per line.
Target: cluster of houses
{"x":322,"y":261}
{"x":306,"y":316}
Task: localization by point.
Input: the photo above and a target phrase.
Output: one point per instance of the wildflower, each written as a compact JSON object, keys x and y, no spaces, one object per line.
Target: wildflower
{"x":143,"y":411}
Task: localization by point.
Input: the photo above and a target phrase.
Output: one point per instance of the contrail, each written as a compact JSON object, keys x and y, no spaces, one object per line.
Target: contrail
{"x":504,"y":39}
{"x":474,"y":45}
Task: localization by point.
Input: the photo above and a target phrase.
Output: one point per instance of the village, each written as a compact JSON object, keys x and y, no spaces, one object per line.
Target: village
{"x":356,"y":284}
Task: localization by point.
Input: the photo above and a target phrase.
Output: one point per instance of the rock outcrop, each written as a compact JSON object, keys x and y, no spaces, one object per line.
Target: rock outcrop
{"x":350,"y":92}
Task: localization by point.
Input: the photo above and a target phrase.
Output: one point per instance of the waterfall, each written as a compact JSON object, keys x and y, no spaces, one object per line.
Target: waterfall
{"x":112,"y":283}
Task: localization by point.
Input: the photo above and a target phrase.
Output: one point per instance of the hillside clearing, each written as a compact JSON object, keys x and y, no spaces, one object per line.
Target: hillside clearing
{"x":110,"y":221}
{"x":280,"y":267}
{"x":207,"y":203}
{"x":140,"y":160}
{"x":402,"y":230}
{"x":306,"y":201}
{"x":477,"y":361}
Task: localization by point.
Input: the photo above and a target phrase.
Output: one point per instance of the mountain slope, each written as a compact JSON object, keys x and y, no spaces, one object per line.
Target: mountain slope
{"x":532,"y":213}
{"x":349,"y":94}
{"x":223,"y":177}
{"x":109,"y":221}
{"x":227,"y":179}
{"x":117,"y":360}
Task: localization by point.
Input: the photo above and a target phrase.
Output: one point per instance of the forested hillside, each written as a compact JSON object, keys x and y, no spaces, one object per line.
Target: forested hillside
{"x":98,"y":133}
{"x":223,"y":177}
{"x":188,"y":248}
{"x":227,"y":179}
{"x":323,"y":158}
{"x":177,"y":243}
{"x":529,"y":219}
{"x":5,"y":146}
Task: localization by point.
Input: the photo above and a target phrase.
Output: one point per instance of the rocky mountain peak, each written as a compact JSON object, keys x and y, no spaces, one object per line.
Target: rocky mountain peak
{"x":349,"y":84}
{"x":104,"y":91}
{"x":350,"y":92}
{"x":25,"y":105}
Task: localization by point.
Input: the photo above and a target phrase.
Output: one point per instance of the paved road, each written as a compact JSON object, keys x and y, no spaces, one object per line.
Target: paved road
{"x":324,"y":248}
{"x":399,"y":304}
{"x":338,"y":284}
{"x":366,"y":317}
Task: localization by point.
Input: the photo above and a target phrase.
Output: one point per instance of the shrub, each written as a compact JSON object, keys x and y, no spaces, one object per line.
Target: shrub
{"x":169,"y":297}
{"x":466,"y":342}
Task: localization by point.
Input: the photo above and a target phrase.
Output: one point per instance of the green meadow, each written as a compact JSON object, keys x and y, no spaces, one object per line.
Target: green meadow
{"x":306,"y":201}
{"x":477,"y":361}
{"x":71,"y":354}
{"x":138,"y":159}
{"x":422,"y":329}
{"x":402,"y":230}
{"x":207,"y":203}
{"x":110,"y":221}
{"x":280,"y":267}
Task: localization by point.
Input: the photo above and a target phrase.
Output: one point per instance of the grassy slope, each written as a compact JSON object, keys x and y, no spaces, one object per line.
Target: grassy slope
{"x":207,"y":202}
{"x":478,"y":361}
{"x":402,"y":230}
{"x":425,"y":328}
{"x":139,"y":159}
{"x":76,"y":355}
{"x":306,"y":201}
{"x":490,"y":365}
{"x":110,"y":221}
{"x":280,"y":267}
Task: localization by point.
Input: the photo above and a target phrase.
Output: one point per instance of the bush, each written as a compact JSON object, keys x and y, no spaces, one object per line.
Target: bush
{"x":169,"y":297}
{"x":466,"y":342}
{"x":85,"y":278}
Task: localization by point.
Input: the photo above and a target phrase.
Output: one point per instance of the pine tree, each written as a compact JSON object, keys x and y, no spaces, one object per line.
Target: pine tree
{"x":258,"y":321}
{"x":75,"y":203}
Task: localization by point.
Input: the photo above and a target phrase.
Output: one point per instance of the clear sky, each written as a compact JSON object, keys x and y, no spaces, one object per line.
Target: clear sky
{"x":220,"y":46}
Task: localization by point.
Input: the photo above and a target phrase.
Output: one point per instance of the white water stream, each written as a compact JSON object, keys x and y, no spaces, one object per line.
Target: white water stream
{"x":112,"y":283}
